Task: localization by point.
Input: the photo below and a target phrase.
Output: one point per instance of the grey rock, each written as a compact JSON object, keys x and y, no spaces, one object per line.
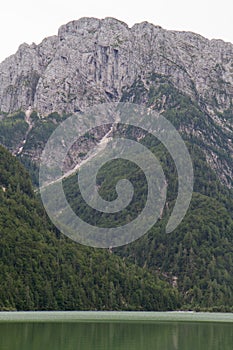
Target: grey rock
{"x":90,"y":61}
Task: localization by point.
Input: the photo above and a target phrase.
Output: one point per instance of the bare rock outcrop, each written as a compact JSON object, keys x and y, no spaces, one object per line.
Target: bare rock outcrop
{"x":91,"y":61}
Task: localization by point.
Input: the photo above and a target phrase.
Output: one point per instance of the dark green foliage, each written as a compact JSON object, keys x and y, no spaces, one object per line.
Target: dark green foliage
{"x":199,"y":252}
{"x":31,"y":167}
{"x":12,"y":130}
{"x":107,"y":183}
{"x":42,"y":129}
{"x":197,"y":258}
{"x":189,"y":117}
{"x":42,"y":270}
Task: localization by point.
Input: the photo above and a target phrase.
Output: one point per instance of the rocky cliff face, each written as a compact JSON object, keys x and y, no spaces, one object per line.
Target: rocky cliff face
{"x":91,"y":61}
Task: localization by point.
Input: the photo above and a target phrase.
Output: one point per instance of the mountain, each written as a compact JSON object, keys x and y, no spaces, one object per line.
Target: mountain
{"x":196,"y":258}
{"x":42,"y":270}
{"x":93,"y":61}
{"x":181,"y":75}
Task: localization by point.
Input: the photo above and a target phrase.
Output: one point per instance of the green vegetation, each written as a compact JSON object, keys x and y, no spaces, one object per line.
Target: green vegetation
{"x":42,"y":129}
{"x":199,"y":252}
{"x":198,"y":255}
{"x":189,"y":117}
{"x":190,"y":268}
{"x":12,"y":130}
{"x":42,"y":270}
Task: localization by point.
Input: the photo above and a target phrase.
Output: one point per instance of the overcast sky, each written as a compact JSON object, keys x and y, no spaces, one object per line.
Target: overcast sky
{"x":28,"y":21}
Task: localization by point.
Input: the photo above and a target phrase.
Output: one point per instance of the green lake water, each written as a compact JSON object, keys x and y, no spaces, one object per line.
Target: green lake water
{"x":114,"y":331}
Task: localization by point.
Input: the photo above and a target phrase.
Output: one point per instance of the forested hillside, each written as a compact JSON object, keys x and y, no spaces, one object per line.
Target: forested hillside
{"x":180,"y":75}
{"x":42,"y":270}
{"x":197,"y":257}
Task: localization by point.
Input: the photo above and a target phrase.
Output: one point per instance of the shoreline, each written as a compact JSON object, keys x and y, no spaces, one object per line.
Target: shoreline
{"x":114,"y":316}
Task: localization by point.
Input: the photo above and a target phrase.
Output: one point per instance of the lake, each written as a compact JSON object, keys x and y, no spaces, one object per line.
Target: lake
{"x":115,"y":331}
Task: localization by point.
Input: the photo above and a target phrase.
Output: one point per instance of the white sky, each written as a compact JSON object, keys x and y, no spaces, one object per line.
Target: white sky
{"x":28,"y":21}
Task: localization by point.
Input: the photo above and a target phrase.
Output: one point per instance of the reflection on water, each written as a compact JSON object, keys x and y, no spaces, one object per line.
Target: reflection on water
{"x":116,"y":336}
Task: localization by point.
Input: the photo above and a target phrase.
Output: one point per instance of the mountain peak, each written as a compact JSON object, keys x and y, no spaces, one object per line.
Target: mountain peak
{"x":103,"y":56}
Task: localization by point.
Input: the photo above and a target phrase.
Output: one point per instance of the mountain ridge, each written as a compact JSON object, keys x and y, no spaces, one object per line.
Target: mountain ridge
{"x":183,"y":76}
{"x":111,"y":55}
{"x":93,"y":61}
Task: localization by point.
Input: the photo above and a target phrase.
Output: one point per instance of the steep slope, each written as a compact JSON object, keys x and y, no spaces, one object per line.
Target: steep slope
{"x":197,"y":257}
{"x":156,"y":93}
{"x":42,"y":270}
{"x":93,"y":61}
{"x":181,"y":75}
{"x":192,"y":120}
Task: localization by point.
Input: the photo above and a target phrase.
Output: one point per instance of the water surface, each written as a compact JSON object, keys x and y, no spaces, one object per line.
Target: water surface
{"x":115,"y":335}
